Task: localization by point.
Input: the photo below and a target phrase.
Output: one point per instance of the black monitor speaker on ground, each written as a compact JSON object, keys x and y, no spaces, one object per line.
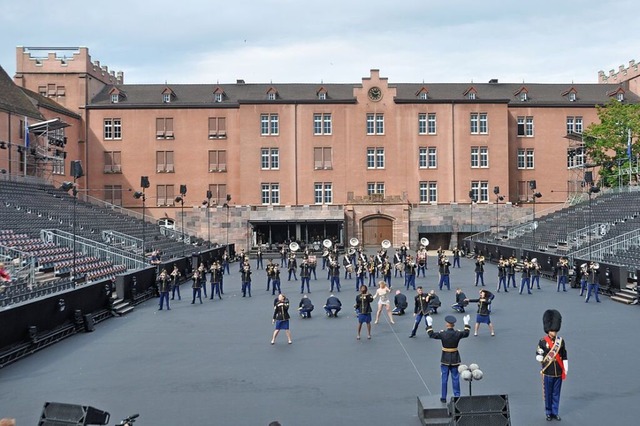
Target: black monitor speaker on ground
{"x":60,"y":414}
{"x":485,"y":410}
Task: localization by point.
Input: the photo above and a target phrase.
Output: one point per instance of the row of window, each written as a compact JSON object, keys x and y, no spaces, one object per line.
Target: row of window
{"x":322,"y":157}
{"x":323,"y":125}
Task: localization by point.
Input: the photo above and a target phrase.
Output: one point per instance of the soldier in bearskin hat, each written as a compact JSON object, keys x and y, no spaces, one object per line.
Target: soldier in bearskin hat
{"x":552,"y":355}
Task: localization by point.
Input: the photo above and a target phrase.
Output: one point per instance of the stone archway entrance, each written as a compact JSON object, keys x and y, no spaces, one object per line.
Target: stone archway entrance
{"x":375,"y":230}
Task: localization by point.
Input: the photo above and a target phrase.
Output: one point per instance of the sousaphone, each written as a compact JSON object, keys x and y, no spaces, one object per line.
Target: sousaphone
{"x":386,"y":244}
{"x":294,"y":247}
{"x":424,"y":241}
{"x":327,"y":243}
{"x":353,"y":242}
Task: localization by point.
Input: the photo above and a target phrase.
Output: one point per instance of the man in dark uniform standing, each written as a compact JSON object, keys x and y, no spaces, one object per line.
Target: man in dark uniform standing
{"x":420,"y":309}
{"x":305,"y":275}
{"x":450,"y":359}
{"x":552,"y":355}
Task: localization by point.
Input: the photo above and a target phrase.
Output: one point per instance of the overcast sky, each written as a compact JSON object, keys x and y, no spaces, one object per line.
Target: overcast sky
{"x":334,"y":41}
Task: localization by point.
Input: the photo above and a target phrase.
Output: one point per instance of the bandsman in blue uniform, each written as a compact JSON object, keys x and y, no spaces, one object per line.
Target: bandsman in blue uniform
{"x":450,"y":359}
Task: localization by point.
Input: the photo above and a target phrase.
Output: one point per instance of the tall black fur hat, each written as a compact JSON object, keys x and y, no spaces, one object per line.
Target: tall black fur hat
{"x":551,"y":320}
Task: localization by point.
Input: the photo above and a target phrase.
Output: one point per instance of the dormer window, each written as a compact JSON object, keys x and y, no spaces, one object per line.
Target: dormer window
{"x":523,"y":96}
{"x":423,"y":95}
{"x":572,"y":97}
{"x":471,"y":96}
{"x":217,"y":97}
{"x":620,"y":96}
{"x":322,"y":96}
{"x":166,"y":98}
{"x":115,"y":98}
{"x":271,"y":96}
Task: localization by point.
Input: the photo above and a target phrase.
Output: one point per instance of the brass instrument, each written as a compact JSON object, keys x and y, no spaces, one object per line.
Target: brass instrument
{"x":480,"y":259}
{"x":294,"y":247}
{"x":386,"y":244}
{"x":353,"y":242}
{"x":351,"y":251}
{"x":594,"y":266}
{"x":327,"y":244}
{"x":424,"y":241}
{"x":564,"y":262}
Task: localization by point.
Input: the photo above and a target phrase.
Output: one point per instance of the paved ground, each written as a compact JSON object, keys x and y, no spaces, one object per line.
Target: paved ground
{"x":212,"y":364}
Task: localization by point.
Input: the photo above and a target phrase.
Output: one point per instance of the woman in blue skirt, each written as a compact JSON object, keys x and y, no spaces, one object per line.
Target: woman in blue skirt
{"x":484,"y":311}
{"x":281,"y":317}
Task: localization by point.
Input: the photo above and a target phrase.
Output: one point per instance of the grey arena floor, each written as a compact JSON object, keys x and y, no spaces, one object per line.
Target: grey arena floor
{"x":212,"y":364}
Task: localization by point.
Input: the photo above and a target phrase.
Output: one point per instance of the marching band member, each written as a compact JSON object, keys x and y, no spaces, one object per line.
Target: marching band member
{"x":443,"y":269}
{"x":371,"y":271}
{"x":456,"y":257}
{"x":269,"y":271}
{"x":196,"y":286}
{"x":363,"y":309}
{"x":259,"y":256}
{"x":420,"y":309}
{"x":175,"y":274}
{"x":292,"y":265}
{"x":524,"y":276}
{"x":305,"y":307}
{"x":225,"y":263}
{"x":594,"y":283}
{"x":334,"y":274}
{"x":562,"y":269}
{"x":275,"y":279}
{"x":346,"y":262}
{"x":433,"y":302}
{"x":246,"y":279}
{"x":163,"y":288}
{"x":403,"y":252}
{"x":479,"y":270}
{"x":240,"y":257}
{"x":460,"y":301}
{"x":484,"y":311}
{"x":502,"y":274}
{"x":216,"y":279}
{"x":203,"y":276}
{"x":281,"y":318}
{"x":511,"y":271}
{"x":421,"y":256}
{"x":552,"y":355}
{"x":534,"y":273}
{"x":332,"y":306}
{"x":584,"y":278}
{"x":283,"y":256}
{"x":410,"y":273}
{"x":305,"y":275}
{"x":400,"y":303}
{"x":360,"y":273}
{"x":386,"y":272}
{"x":397,"y":260}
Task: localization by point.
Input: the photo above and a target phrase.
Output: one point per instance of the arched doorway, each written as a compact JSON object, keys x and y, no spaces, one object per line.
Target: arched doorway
{"x":376,"y":229}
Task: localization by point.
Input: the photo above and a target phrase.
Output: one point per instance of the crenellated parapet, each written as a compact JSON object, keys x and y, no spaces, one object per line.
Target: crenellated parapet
{"x":622,"y":75}
{"x":67,"y":60}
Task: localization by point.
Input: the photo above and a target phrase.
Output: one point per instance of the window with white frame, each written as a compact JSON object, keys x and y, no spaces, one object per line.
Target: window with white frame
{"x":526,"y":158}
{"x":480,"y":191}
{"x":217,"y":97}
{"x":471,"y":95}
{"x":322,"y":96}
{"x":574,"y":125}
{"x":427,"y":157}
{"x":427,"y":124}
{"x":57,"y":165}
{"x":428,"y":192}
{"x":166,"y":98}
{"x":269,"y":125}
{"x":322,"y":158}
{"x":375,"y":124}
{"x":525,"y":126}
{"x":322,"y":124}
{"x":479,"y":123}
{"x":115,"y":98}
{"x":323,"y":192}
{"x":375,"y":158}
{"x":479,"y":157}
{"x":271,"y":96}
{"x":374,"y":188}
{"x":270,"y":193}
{"x":576,"y":157}
{"x":112,"y":128}
{"x":270,"y":158}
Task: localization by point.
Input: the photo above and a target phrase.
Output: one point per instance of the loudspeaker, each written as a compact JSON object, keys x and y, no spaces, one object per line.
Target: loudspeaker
{"x":76,"y":169}
{"x":496,"y":190}
{"x":144,"y":181}
{"x":209,"y":195}
{"x":59,"y":414}
{"x":183,"y":189}
{"x":588,"y":177}
{"x":88,"y":322}
{"x":485,"y":410}
{"x":532,"y":184}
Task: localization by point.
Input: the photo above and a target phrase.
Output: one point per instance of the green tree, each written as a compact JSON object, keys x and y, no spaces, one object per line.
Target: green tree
{"x":606,"y":141}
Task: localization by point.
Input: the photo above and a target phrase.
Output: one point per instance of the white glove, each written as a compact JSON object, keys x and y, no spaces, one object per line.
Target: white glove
{"x":429,"y":321}
{"x":566,"y":365}
{"x":539,"y":358}
{"x":466,"y":319}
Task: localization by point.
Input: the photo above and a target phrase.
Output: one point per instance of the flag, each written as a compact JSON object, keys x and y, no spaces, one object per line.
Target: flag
{"x":26,"y":132}
{"x":629,"y":144}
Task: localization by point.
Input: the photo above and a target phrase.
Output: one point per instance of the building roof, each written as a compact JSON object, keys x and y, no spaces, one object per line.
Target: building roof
{"x":13,"y":99}
{"x":202,"y":95}
{"x":50,"y":104}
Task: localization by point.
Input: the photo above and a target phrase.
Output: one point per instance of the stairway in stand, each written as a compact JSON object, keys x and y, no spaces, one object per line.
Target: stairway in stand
{"x":627,"y":295}
{"x":121,"y":307}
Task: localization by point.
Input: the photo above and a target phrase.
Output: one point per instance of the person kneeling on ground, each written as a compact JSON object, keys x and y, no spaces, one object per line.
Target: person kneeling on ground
{"x":433,"y":302}
{"x":333,"y":306}
{"x":305,"y":307}
{"x":400,"y":302}
{"x":460,"y":301}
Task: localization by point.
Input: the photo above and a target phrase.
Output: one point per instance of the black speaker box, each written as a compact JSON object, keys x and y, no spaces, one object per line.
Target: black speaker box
{"x":588,"y":177}
{"x":532,"y":184}
{"x":481,"y":410}
{"x":144,"y":181}
{"x":59,"y":414}
{"x":88,"y":322}
{"x":76,"y":169}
